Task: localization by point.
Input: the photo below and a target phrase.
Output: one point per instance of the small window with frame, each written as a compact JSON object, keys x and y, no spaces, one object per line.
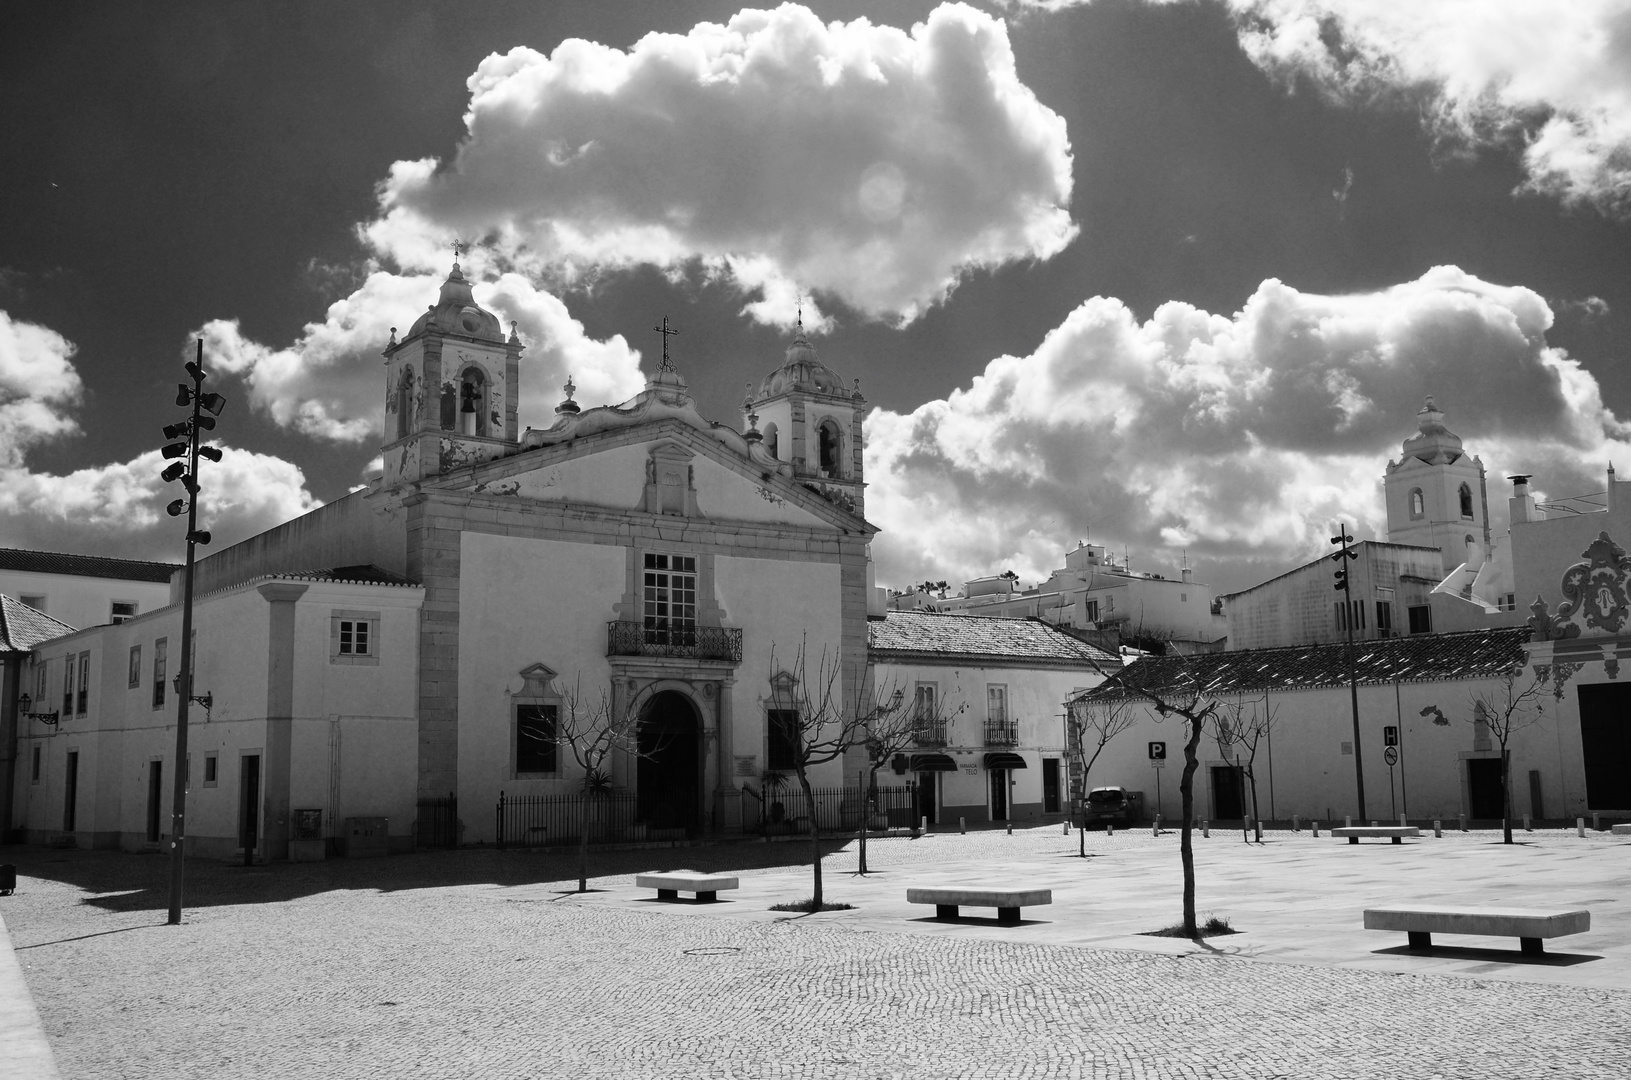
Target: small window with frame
{"x":68,"y":686}
{"x":537,"y":731}
{"x":160,"y":648}
{"x":84,"y":683}
{"x":122,"y":611}
{"x":354,"y":637}
{"x":135,"y":666}
{"x":211,"y":767}
{"x":35,"y":772}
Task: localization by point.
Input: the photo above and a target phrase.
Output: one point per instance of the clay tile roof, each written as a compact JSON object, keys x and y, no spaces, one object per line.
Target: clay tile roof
{"x":22,"y":628}
{"x":56,"y":562}
{"x":1472,"y":654}
{"x":906,"y":635}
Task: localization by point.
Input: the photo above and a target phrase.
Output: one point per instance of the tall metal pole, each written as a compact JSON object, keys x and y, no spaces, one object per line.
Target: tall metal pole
{"x":178,"y":817}
{"x":1344,"y":538}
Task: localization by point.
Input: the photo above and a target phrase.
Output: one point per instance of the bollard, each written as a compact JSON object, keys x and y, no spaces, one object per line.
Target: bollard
{"x":1316,"y":825}
{"x":1596,"y":821}
{"x":1438,"y":828}
{"x":1526,"y":826}
{"x":1296,"y":825}
{"x":1347,"y":821}
{"x":1109,"y":829}
{"x":1258,"y":826}
{"x":1373,"y":824}
{"x":1157,"y":826}
{"x":925,"y":824}
{"x":1403,"y":823}
{"x":1206,"y":829}
{"x":1067,"y":828}
{"x":1462,"y":819}
{"x":1580,"y":826}
{"x":962,"y":825}
{"x":1010,"y":828}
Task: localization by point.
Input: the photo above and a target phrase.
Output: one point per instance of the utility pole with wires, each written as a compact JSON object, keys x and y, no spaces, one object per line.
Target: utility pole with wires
{"x":1344,"y":587}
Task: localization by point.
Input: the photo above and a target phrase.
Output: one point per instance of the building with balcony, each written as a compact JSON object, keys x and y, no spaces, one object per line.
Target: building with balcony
{"x":988,"y":696}
{"x":636,"y":558}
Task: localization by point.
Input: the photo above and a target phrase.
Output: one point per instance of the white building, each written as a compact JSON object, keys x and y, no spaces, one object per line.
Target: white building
{"x":991,"y":692}
{"x":84,"y":590}
{"x":491,"y":576}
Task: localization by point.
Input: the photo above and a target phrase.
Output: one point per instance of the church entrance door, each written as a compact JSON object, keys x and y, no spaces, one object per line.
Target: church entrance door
{"x":668,"y":775}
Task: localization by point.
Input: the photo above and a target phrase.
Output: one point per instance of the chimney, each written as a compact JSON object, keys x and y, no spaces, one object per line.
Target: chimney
{"x":1521,"y":506}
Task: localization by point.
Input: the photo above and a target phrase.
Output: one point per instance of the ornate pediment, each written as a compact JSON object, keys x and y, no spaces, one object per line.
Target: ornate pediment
{"x":537,"y":677}
{"x":1596,"y":597}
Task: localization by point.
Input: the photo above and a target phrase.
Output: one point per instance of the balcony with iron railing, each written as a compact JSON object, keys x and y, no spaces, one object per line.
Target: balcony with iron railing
{"x":687,"y":641}
{"x":929,"y":732}
{"x":1002,"y":732}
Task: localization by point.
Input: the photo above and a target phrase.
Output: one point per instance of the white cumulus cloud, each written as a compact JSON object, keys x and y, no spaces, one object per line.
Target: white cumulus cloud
{"x":38,"y":387}
{"x":871,"y":163}
{"x":1238,"y":438}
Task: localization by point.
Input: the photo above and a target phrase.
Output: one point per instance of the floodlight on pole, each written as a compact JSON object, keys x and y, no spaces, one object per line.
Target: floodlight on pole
{"x":1344,"y":585}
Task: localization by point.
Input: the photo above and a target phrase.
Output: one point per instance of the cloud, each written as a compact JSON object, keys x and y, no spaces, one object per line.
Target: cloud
{"x":115,"y":509}
{"x":1239,"y":439}
{"x":869,"y":163}
{"x":38,"y":388}
{"x":328,"y":383}
{"x":1553,"y":79}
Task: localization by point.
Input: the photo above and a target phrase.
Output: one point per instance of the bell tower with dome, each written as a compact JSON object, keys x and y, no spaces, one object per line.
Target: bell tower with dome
{"x":450,"y":388}
{"x":1436,"y":494}
{"x":808,"y":419}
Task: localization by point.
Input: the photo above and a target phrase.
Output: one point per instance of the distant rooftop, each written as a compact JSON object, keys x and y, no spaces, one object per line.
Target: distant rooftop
{"x":56,"y":562}
{"x":925,"y":635}
{"x":1473,"y":654}
{"x":22,"y":628}
{"x":362,"y":574}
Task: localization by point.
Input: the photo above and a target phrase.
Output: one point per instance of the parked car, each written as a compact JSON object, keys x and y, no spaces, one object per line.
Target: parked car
{"x":1114,"y":805}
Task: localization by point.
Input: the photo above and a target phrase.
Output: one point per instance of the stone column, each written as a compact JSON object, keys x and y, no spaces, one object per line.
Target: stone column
{"x":281,"y":596}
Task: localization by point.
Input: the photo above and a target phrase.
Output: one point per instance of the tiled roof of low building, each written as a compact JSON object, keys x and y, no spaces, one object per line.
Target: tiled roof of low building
{"x":57,"y":562}
{"x":22,"y":628}
{"x":362,"y":574}
{"x":906,"y":635}
{"x":1471,"y":654}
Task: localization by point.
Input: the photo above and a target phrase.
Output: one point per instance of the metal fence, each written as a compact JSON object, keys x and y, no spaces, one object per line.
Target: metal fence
{"x":788,"y":811}
{"x":438,"y":823}
{"x":550,"y":820}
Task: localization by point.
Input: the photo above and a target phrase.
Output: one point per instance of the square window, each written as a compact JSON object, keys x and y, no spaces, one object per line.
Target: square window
{"x":535,"y":739}
{"x":135,"y":666}
{"x":1421,"y":619}
{"x":122,"y":611}
{"x":354,"y":637}
{"x":211,"y":763}
{"x":160,"y":647}
{"x":35,"y":601}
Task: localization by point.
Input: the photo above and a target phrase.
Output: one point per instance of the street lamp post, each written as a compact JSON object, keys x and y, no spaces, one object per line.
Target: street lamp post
{"x":206,"y":406}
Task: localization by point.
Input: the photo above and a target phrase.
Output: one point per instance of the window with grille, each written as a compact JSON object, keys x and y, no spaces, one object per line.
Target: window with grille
{"x":670,"y":599}
{"x":1350,"y":613}
{"x":353,"y":637}
{"x":159,"y":648}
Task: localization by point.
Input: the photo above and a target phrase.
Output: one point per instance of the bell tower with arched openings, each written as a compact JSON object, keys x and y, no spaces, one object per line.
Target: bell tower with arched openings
{"x":450,"y":388}
{"x":1436,"y":494}
{"x":809,"y":419}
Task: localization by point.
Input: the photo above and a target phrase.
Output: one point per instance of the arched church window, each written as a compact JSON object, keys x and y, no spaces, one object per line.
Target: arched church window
{"x":1417,"y":508}
{"x":829,"y":442}
{"x":1466,"y":501}
{"x":404,"y":403}
{"x":473,"y":402}
{"x":771,"y":442}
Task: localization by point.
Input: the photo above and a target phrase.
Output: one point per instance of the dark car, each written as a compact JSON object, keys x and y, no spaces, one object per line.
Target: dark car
{"x":1114,"y":806}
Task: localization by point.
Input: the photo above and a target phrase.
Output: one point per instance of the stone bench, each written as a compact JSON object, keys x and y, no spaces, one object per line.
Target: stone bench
{"x":947,"y":899}
{"x":1396,"y":832}
{"x":1620,"y":830}
{"x":1528,"y":925}
{"x":669,"y":884}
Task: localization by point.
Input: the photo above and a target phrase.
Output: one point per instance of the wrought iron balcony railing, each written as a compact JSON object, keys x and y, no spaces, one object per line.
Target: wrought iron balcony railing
{"x":1001,"y":732}
{"x":661,"y":639}
{"x":929,"y":734}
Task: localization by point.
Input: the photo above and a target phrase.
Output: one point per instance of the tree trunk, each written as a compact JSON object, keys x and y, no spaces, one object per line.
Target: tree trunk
{"x":1506,"y":794}
{"x":815,"y":837}
{"x":583,"y":848}
{"x":1251,"y":775}
{"x":1186,"y":848}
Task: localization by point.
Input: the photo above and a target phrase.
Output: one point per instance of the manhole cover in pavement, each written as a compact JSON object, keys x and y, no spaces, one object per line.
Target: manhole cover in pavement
{"x":718,"y":950}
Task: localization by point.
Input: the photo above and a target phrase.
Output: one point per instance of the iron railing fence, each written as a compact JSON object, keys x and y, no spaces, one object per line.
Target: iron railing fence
{"x":929,"y":733}
{"x":1002,"y":732}
{"x":551,"y":820}
{"x":699,"y":642}
{"x":438,"y":823}
{"x":788,"y":811}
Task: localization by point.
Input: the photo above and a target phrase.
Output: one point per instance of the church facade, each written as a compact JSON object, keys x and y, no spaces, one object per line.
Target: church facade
{"x":491,"y":584}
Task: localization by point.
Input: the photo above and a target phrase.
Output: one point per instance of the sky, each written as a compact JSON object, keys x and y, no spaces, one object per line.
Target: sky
{"x":1173,"y":276}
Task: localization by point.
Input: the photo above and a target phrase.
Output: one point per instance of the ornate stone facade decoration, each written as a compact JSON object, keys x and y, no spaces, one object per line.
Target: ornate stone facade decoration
{"x":1593,"y":623}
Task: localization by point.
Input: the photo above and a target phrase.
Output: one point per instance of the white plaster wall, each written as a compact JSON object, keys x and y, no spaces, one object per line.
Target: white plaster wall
{"x":325,"y":689}
{"x":779,"y":605}
{"x":83,"y":602}
{"x":724,"y":494}
{"x":614,"y":477}
{"x":524,"y":602}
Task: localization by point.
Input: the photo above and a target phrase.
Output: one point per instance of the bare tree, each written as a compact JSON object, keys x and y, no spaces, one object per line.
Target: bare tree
{"x":1502,"y":710}
{"x":1091,"y":727}
{"x":821,"y":723}
{"x":592,"y":731}
{"x":1240,"y":728}
{"x":894,"y":729}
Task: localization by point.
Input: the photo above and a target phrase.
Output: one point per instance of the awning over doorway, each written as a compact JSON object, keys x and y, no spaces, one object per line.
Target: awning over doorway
{"x":933,"y":763}
{"x":1004,"y":761}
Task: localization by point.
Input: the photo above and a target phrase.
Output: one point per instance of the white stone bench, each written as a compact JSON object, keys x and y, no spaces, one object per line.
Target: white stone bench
{"x":1620,"y":830}
{"x":1528,"y":925}
{"x":947,"y":899}
{"x":1396,"y":832}
{"x":669,"y":884}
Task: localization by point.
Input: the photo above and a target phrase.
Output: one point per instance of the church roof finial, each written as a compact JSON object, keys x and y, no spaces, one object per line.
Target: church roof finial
{"x":667,"y":364}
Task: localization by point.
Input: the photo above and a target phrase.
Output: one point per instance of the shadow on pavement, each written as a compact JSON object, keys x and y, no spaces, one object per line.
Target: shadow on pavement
{"x":1499,"y":956}
{"x":124,"y":881}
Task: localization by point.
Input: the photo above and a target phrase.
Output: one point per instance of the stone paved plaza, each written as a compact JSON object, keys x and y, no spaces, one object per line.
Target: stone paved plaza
{"x":478,"y":964}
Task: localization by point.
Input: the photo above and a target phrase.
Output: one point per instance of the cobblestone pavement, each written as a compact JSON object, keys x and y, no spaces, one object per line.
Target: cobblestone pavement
{"x":473,"y":964}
